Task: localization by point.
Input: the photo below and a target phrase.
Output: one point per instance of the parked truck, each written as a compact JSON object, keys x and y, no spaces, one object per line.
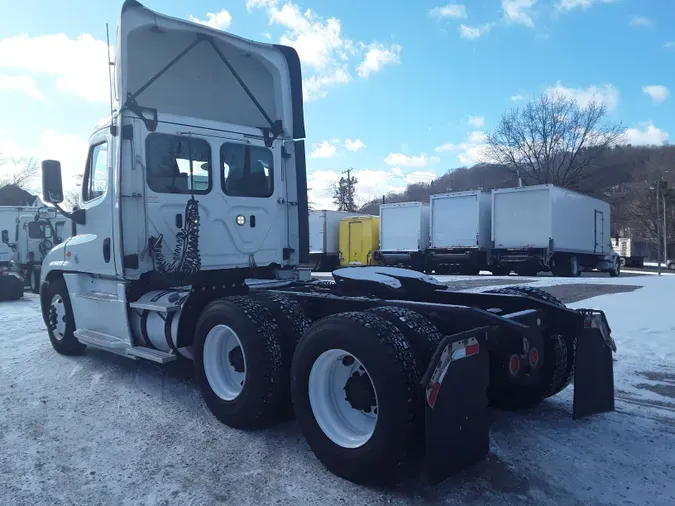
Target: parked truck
{"x":628,"y":256}
{"x":324,"y":238}
{"x":385,"y":369}
{"x":35,"y":234}
{"x":11,"y":279}
{"x":359,"y":240}
{"x":548,"y":228}
{"x":460,"y":230}
{"x":404,"y":235}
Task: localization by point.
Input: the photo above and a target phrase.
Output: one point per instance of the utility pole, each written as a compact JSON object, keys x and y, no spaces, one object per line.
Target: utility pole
{"x":658,"y":226}
{"x":665,"y":232}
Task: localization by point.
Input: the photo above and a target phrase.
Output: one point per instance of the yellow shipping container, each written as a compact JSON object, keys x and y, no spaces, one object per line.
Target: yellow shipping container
{"x":359,"y":240}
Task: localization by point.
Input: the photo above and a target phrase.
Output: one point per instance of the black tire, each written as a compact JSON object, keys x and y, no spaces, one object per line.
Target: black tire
{"x":266,"y":364}
{"x":616,"y":272}
{"x":573,"y":267}
{"x":387,"y":355}
{"x":35,"y":281}
{"x":671,"y":266}
{"x":293,"y":323}
{"x":422,"y":334}
{"x":556,"y":372}
{"x":66,"y":343}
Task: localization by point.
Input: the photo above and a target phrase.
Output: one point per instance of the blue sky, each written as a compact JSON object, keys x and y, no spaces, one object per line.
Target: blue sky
{"x":399,"y":90}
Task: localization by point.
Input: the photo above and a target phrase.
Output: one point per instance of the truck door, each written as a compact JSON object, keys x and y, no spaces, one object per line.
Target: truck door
{"x":240,"y":194}
{"x":599,"y":232}
{"x":95,"y":239}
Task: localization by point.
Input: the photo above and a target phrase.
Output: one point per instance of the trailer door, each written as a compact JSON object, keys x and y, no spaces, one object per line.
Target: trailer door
{"x":356,"y":256}
{"x":599,"y":232}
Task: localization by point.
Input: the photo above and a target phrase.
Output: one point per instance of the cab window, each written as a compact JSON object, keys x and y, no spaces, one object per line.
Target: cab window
{"x":247,"y":171}
{"x":96,"y":174}
{"x":178,"y":164}
{"x":34,"y":230}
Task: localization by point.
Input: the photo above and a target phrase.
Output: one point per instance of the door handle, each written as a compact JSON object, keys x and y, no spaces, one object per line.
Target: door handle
{"x":106,"y":250}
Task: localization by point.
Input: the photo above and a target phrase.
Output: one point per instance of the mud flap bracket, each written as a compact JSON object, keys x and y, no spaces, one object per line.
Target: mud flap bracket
{"x":594,"y":367}
{"x":456,"y":416}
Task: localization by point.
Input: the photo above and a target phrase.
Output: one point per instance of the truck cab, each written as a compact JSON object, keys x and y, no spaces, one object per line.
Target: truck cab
{"x":195,"y":182}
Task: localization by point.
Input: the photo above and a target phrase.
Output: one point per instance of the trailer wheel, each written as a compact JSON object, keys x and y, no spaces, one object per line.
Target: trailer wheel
{"x":422,"y":334}
{"x":616,"y":271}
{"x":356,"y":397}
{"x":240,"y":362}
{"x":573,"y":267}
{"x":58,"y":317}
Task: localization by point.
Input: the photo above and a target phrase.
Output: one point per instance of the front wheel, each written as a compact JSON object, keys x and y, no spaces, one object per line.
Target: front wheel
{"x":35,"y":280}
{"x":616,"y":270}
{"x":354,"y":385}
{"x":58,"y":316}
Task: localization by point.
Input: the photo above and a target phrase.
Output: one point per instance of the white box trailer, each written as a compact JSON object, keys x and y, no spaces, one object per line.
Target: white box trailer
{"x":460,"y":232}
{"x":324,"y":238}
{"x":548,"y":228}
{"x":404,"y":234}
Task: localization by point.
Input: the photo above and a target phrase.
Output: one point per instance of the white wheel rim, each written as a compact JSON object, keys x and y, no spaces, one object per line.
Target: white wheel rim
{"x":58,"y":310}
{"x":342,"y":423}
{"x":225,"y":369}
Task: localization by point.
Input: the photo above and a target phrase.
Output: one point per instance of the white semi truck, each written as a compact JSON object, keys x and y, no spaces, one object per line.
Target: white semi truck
{"x":548,"y":228}
{"x":404,"y":235}
{"x":460,"y":231}
{"x":191,"y":226}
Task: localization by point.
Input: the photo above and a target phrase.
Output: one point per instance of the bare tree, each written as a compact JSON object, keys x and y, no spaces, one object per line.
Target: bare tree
{"x":72,"y":196}
{"x":552,"y":140}
{"x":21,"y":172}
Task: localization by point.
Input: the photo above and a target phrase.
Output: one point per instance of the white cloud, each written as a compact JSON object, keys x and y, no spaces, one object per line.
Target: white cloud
{"x":670,"y":44}
{"x":372,"y":184}
{"x":323,"y":149}
{"x":401,"y":160}
{"x":23,"y":84}
{"x":267,"y":35}
{"x":568,"y":5}
{"x":316,"y":86}
{"x":518,"y":12}
{"x":476,"y":121}
{"x":641,"y":21}
{"x":457,"y":11}
{"x":253,"y":4}
{"x":79,"y":65}
{"x":354,"y":145}
{"x":443,"y":148}
{"x":658,"y":93}
{"x":220,"y":20}
{"x":323,"y":50}
{"x":517,"y":98}
{"x":477,"y":137}
{"x":648,"y":135}
{"x":378,"y":56}
{"x":473,"y":32}
{"x":606,"y":94}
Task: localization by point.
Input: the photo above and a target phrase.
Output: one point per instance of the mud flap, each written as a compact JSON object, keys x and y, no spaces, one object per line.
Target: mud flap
{"x":457,"y":420}
{"x":594,"y":367}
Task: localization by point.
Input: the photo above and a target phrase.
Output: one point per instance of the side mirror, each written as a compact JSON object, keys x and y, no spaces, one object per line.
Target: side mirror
{"x":52,"y":185}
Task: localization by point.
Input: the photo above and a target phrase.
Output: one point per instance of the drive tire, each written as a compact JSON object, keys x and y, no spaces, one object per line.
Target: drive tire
{"x":261,"y":396}
{"x":56,"y":301}
{"x":417,"y":329}
{"x":388,"y":454}
{"x":35,"y":280}
{"x":293,"y":323}
{"x":555,"y":374}
{"x":616,"y":272}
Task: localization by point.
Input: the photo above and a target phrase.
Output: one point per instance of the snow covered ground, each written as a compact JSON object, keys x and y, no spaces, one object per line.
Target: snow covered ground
{"x":100,"y":429}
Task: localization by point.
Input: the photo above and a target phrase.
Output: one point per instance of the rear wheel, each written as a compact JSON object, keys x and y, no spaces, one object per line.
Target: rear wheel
{"x":555,"y":373}
{"x":671,"y":266}
{"x":356,"y":397}
{"x":240,"y":362}
{"x":573,"y":267}
{"x":616,"y":271}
